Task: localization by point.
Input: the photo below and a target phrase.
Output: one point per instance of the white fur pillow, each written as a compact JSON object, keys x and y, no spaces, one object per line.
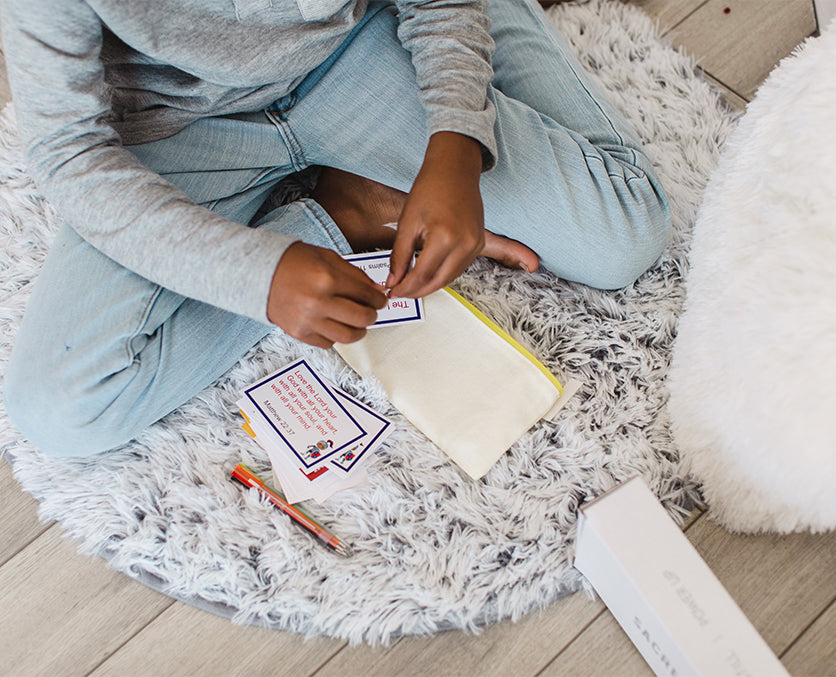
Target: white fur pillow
{"x":753,"y":380}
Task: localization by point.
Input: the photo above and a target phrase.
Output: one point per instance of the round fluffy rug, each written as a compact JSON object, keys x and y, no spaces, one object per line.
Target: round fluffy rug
{"x":433,"y":549}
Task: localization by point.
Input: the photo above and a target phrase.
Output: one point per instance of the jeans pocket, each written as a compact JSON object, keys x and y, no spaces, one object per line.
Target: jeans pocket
{"x":319,"y":10}
{"x":244,"y":9}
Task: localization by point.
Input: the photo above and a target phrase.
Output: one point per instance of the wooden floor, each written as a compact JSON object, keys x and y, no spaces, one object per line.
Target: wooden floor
{"x":63,"y":614}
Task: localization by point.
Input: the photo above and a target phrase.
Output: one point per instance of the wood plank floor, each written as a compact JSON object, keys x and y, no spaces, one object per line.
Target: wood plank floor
{"x":64,"y":614}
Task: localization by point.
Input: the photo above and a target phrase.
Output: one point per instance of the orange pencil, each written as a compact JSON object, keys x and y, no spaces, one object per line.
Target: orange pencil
{"x":249,"y":479}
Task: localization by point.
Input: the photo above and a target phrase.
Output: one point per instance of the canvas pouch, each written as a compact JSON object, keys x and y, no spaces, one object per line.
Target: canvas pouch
{"x":460,"y":379}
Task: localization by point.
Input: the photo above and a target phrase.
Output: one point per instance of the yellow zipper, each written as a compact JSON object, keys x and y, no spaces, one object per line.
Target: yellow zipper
{"x":506,"y":336}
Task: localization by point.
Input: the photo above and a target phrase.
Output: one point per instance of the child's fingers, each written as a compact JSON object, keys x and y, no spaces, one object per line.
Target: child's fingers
{"x":361,"y":289}
{"x":343,"y":321}
{"x":445,"y":256}
{"x":319,"y":298}
{"x":351,"y":314}
{"x":403,"y":251}
{"x":336,"y":332}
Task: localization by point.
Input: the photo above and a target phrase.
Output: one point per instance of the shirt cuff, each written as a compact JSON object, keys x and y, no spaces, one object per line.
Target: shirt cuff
{"x":477,"y":125}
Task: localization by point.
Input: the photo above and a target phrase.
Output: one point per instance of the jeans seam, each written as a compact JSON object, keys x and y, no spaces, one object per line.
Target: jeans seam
{"x":540,"y":20}
{"x":629,"y":178}
{"x":143,"y":319}
{"x":250,"y":184}
{"x":316,"y":212}
{"x":294,"y":148}
{"x":640,"y":173}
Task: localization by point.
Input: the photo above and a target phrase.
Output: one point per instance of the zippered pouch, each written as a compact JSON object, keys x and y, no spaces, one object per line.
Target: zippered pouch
{"x":460,"y":379}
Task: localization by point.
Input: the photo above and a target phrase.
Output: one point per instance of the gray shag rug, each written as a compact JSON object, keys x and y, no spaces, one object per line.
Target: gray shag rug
{"x":433,"y":549}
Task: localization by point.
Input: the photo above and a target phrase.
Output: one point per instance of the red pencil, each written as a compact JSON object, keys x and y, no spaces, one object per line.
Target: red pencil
{"x":249,"y":479}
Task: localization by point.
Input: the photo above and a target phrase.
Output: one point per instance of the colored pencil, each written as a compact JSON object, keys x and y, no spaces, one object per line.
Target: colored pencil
{"x":248,"y":478}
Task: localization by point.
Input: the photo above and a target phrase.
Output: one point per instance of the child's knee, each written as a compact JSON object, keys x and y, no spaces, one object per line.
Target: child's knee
{"x":51,"y":413}
{"x":621,"y":233}
{"x":634,"y":247}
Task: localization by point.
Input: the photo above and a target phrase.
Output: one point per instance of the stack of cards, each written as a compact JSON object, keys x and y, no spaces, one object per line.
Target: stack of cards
{"x":320,"y":440}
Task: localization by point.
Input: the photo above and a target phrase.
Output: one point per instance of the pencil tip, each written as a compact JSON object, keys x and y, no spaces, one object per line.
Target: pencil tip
{"x":343,"y":550}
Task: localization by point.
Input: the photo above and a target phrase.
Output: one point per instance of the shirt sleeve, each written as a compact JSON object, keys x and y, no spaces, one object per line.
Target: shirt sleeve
{"x":451,"y":50}
{"x":125,"y":210}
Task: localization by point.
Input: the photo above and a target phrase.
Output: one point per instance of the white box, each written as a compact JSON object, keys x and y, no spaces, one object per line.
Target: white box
{"x":661,"y":591}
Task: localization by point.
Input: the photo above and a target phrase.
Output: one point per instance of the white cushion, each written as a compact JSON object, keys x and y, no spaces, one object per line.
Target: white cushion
{"x":753,"y":380}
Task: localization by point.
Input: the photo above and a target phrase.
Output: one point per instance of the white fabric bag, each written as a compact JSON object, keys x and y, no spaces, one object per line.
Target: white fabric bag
{"x":460,"y":379}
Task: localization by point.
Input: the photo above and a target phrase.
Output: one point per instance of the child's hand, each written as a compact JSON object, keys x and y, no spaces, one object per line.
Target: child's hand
{"x":319,"y":298}
{"x":443,"y":217}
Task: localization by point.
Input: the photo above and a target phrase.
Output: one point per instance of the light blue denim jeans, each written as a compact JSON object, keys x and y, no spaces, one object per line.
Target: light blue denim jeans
{"x":102,"y":353}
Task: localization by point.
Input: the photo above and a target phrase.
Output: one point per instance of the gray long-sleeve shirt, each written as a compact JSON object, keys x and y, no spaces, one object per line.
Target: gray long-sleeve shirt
{"x":89,"y":75}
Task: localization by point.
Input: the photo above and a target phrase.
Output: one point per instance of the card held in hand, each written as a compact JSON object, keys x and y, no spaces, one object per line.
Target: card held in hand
{"x":398,"y":310}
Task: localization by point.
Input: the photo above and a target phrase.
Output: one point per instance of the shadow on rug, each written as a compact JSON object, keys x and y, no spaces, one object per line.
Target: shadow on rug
{"x":434,"y":549}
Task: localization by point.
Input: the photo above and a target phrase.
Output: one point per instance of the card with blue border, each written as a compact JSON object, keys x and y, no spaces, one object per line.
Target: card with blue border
{"x":304,"y":412}
{"x":398,"y":310}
